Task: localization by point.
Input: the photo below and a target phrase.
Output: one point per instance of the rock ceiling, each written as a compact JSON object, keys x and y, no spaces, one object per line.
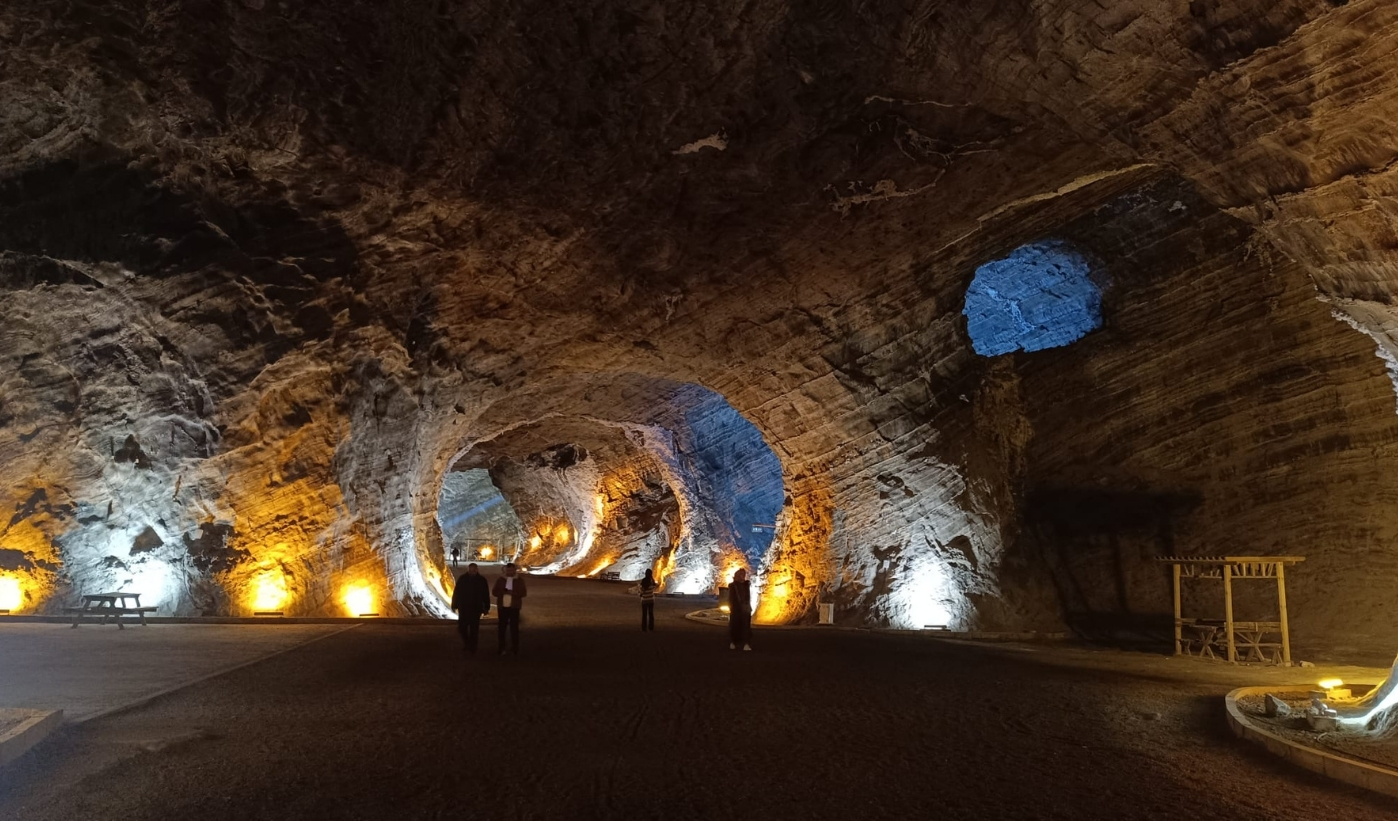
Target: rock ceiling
{"x":269,"y":269}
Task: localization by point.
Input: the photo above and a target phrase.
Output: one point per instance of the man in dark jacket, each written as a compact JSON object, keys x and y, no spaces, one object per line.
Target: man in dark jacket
{"x":509,"y":595}
{"x":470,"y":600}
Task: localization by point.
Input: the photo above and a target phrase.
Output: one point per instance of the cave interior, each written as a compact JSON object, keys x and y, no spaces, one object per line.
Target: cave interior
{"x":950,"y":315}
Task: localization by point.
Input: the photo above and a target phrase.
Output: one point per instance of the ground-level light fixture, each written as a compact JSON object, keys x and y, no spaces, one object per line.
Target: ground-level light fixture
{"x":11,"y":594}
{"x":1335,"y":689}
{"x":359,"y":600}
{"x":269,"y":593}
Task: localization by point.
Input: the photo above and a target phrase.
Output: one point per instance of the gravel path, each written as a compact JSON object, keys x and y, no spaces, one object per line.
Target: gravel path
{"x":598,"y":720}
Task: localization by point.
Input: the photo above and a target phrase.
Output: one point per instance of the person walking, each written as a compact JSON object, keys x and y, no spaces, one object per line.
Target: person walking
{"x":509,"y":595}
{"x":740,"y":611}
{"x":470,"y":600}
{"x":648,"y":588}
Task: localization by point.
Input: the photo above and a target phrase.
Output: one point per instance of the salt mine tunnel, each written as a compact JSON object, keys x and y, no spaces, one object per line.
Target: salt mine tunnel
{"x":951,"y":315}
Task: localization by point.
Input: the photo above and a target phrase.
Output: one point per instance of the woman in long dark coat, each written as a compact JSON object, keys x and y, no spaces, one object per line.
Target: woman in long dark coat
{"x":648,"y":587}
{"x":740,"y":612}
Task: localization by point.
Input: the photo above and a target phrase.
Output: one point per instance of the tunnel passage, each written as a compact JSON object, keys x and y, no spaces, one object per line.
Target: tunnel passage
{"x":478,"y":523}
{"x":652,"y":475}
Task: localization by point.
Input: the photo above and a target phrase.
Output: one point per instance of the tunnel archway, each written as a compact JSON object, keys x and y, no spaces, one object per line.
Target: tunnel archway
{"x":477,"y":521}
{"x":634,"y":473}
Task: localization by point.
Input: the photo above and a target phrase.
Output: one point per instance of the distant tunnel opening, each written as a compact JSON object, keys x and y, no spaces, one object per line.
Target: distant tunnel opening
{"x":654,"y":475}
{"x":1040,"y":296}
{"x":478,"y":523}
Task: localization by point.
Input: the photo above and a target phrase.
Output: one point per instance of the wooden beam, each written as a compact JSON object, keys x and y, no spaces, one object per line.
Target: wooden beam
{"x":1285,"y":627}
{"x":1228,"y":611}
{"x":1178,"y":638}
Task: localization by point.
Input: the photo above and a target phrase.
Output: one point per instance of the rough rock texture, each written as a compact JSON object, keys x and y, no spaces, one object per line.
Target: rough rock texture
{"x":271,"y":270}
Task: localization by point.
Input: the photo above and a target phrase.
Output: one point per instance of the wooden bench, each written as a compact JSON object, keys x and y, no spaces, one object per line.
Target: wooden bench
{"x":1250,"y":640}
{"x":1253,"y":640}
{"x":110,"y":606}
{"x":1200,"y":637}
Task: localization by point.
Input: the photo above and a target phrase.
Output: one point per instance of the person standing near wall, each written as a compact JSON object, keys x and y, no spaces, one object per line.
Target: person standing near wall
{"x":648,"y":588}
{"x":509,"y":595}
{"x":740,"y":611}
{"x":470,"y":600}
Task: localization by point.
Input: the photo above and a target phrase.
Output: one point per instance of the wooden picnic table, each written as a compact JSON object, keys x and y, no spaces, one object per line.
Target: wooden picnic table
{"x":111,"y":605}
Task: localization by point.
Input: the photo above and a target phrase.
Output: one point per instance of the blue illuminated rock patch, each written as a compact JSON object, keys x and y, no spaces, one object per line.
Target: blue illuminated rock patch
{"x":1040,"y":296}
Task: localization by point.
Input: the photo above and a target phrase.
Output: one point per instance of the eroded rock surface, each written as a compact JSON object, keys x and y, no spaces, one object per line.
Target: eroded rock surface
{"x":270,"y":271}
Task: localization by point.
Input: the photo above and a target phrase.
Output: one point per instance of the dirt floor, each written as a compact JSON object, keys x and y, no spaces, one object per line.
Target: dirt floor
{"x":598,"y":720}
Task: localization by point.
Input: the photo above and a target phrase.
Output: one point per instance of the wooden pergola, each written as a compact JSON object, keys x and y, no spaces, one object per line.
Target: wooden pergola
{"x":1206,"y":631}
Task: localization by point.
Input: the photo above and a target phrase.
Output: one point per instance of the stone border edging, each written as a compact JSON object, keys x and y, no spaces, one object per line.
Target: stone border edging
{"x":1369,"y":776}
{"x":36,"y":728}
{"x":698,"y":616}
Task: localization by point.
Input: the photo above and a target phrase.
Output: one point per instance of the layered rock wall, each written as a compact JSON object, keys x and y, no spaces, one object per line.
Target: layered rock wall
{"x":268,"y":270}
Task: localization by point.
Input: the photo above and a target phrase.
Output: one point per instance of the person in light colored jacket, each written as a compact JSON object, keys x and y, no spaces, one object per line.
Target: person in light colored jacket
{"x":509,"y":595}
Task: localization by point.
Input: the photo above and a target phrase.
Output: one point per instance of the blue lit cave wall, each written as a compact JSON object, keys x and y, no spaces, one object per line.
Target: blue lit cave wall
{"x":740,"y":479}
{"x":1040,"y":296}
{"x":472,"y":512}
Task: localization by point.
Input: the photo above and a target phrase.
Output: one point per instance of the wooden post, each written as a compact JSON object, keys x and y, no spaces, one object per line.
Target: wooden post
{"x":1228,"y":610}
{"x":1175,"y":572}
{"x":1285,"y":627}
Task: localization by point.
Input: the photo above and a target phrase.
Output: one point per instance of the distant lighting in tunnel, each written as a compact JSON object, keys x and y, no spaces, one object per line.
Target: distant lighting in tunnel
{"x":359,"y":599}
{"x":1040,"y":296}
{"x":487,"y":552}
{"x":561,"y":534}
{"x":11,"y":594}
{"x":537,"y":541}
{"x":1331,"y":683}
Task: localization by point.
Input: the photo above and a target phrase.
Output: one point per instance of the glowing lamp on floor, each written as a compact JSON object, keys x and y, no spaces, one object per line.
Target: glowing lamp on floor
{"x":11,"y":594}
{"x":359,"y":600}
{"x":1334,"y":689}
{"x":487,"y":552}
{"x":269,"y":593}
